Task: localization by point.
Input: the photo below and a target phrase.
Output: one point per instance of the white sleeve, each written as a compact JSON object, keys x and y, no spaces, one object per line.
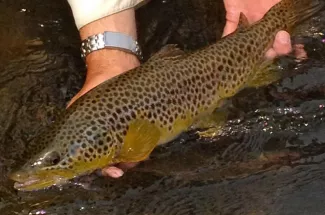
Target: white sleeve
{"x":86,"y":11}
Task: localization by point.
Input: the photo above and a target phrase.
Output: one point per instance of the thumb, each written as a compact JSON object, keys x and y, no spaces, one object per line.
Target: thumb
{"x":231,"y":23}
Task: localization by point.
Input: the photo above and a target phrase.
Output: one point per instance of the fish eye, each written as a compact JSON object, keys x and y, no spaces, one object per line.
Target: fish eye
{"x":53,"y":158}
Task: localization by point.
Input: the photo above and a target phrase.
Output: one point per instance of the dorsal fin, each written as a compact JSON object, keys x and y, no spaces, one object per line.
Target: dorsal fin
{"x":243,"y":22}
{"x":170,"y":50}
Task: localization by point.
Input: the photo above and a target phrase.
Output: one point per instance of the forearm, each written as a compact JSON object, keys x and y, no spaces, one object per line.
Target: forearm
{"x":96,"y":16}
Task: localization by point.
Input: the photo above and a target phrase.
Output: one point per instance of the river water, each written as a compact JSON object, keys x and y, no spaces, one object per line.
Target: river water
{"x":269,"y":157}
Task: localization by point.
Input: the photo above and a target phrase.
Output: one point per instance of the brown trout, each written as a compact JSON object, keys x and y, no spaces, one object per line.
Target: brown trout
{"x":125,"y":118}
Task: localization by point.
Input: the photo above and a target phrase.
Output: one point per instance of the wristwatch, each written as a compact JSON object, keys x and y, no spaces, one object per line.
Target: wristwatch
{"x":112,"y":40}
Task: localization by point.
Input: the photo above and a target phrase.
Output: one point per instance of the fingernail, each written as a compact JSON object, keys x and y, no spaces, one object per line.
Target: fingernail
{"x":117,"y":173}
{"x":284,"y":39}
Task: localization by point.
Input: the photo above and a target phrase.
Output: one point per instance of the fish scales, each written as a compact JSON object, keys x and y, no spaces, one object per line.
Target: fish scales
{"x":123,"y":119}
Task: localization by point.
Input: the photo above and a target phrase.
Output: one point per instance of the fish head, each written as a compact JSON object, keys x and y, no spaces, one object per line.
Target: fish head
{"x":67,"y":153}
{"x":42,"y":171}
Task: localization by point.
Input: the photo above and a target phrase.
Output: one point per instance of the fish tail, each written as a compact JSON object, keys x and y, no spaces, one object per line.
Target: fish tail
{"x":296,"y":11}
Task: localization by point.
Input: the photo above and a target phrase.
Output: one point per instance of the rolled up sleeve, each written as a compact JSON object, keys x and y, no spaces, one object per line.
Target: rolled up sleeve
{"x":87,"y":11}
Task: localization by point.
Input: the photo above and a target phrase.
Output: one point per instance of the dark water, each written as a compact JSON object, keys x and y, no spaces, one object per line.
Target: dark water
{"x":268,"y":158}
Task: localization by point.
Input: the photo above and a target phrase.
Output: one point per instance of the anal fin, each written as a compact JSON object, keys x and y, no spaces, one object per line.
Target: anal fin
{"x":212,"y":123}
{"x":266,"y":73}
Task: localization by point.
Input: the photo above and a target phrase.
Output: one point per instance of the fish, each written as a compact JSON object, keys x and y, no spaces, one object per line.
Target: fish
{"x":125,"y":118}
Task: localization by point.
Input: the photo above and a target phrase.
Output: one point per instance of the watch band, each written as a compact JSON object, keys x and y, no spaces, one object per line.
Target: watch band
{"x":114,"y":40}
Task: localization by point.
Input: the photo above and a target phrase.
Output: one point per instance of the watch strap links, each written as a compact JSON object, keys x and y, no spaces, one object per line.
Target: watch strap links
{"x":113,"y":40}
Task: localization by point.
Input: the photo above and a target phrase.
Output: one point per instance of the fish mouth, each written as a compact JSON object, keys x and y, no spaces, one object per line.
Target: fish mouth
{"x":22,"y":185}
{"x":25,"y":182}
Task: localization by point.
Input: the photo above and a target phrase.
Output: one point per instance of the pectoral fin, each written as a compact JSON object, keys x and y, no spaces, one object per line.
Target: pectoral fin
{"x":141,"y":138}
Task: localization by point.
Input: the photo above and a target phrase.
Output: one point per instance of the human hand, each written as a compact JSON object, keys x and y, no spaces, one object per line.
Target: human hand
{"x":103,"y":65}
{"x":254,"y":10}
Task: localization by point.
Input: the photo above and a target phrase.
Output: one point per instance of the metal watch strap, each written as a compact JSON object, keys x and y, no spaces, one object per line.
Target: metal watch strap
{"x":114,"y":40}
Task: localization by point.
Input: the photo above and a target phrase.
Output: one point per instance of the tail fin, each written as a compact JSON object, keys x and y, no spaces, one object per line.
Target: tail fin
{"x":296,"y":11}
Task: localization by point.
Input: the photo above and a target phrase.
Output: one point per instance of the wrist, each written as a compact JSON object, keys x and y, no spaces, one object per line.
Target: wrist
{"x":111,"y":61}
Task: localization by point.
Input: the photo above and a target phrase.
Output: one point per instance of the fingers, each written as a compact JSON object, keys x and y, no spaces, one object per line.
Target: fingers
{"x":118,"y":171}
{"x":113,"y":172}
{"x":271,"y":54}
{"x":300,"y":52}
{"x":231,"y":24}
{"x":281,"y":45}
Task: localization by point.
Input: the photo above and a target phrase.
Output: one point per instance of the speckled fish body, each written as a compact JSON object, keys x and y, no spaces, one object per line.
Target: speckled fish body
{"x":125,"y":118}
